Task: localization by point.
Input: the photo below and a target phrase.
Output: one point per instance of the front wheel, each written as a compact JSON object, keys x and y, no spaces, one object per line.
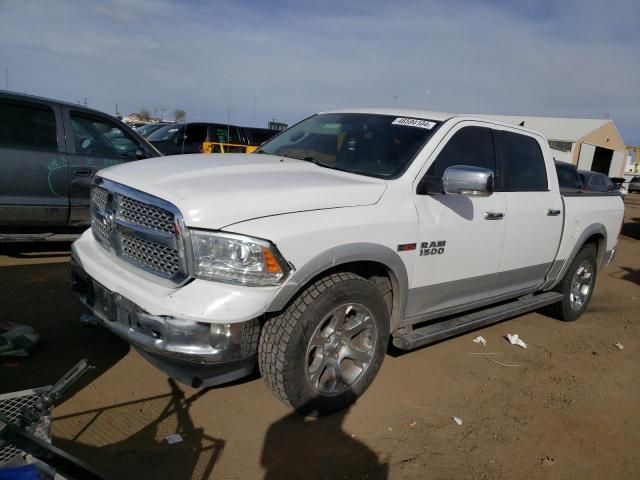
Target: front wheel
{"x":577,"y":285}
{"x":324,"y":350}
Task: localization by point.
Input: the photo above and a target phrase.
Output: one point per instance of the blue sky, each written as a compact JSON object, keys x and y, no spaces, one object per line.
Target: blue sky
{"x":289,"y":59}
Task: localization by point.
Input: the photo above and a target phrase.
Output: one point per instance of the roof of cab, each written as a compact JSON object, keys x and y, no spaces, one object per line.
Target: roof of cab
{"x":36,"y":98}
{"x":431,"y":115}
{"x":398,"y":112}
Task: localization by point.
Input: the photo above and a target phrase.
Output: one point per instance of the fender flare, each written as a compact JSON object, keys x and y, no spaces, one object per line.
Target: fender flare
{"x":340,"y":255}
{"x":593,"y":229}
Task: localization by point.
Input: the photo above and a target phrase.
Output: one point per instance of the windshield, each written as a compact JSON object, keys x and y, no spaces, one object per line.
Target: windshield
{"x":164,"y":133}
{"x":374,"y":145}
{"x":145,"y":130}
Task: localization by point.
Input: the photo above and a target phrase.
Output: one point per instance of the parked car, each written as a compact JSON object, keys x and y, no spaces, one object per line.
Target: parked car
{"x":149,"y":128}
{"x":618,"y":184}
{"x":596,"y":182}
{"x":50,"y":151}
{"x":634,"y":185}
{"x":184,"y":138}
{"x":568,"y":177}
{"x":137,"y":124}
{"x":348,"y":230}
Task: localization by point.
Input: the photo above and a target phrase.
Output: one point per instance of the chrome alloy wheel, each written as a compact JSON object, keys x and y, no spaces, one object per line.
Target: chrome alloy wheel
{"x":581,"y":285}
{"x":341,"y":349}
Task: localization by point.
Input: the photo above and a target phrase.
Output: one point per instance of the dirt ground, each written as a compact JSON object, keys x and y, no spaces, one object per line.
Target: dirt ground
{"x":569,"y":409}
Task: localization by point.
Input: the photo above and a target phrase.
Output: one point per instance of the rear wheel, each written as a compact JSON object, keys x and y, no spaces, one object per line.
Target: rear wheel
{"x":577,"y":286}
{"x":324,"y":350}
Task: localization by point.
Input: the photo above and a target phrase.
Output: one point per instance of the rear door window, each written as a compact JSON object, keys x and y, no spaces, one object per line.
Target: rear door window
{"x":27,"y":125}
{"x":224,"y":134}
{"x":523,"y":166}
{"x":196,"y":133}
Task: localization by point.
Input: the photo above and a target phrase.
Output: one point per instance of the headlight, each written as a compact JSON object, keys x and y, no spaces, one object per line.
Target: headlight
{"x":236,"y":259}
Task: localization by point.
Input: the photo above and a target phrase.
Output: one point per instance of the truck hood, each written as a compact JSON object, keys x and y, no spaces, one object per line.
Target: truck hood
{"x":217,"y":190}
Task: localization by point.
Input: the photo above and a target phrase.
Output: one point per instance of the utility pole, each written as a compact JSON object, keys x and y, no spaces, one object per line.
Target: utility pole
{"x":116,"y":109}
{"x":395,"y":100}
{"x":85,"y":101}
{"x":253,"y":111}
{"x":6,"y":78}
{"x":229,"y":107}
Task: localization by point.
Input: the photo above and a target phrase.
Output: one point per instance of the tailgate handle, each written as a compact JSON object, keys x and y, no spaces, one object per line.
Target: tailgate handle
{"x":494,"y":216}
{"x":553,"y":212}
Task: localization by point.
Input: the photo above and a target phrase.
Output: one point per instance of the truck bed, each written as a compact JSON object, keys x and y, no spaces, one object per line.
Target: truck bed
{"x":586,"y":213}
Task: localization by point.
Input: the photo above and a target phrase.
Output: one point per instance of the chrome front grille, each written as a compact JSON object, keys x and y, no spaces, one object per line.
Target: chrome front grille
{"x":146,"y":215}
{"x":157,"y":258}
{"x":139,"y":229}
{"x":99,"y":197}
{"x":100,"y":231}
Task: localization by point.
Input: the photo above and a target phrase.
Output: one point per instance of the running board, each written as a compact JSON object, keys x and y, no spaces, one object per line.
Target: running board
{"x":449,"y":328}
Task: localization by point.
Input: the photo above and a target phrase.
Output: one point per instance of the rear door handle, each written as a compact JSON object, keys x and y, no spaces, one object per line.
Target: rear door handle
{"x":552,"y":212}
{"x":83,"y":173}
{"x":494,"y":216}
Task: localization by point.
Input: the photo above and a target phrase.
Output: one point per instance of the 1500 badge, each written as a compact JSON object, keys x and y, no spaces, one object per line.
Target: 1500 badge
{"x":432,"y":248}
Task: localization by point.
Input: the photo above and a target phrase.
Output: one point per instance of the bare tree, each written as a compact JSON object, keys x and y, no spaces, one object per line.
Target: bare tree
{"x":145,"y":115}
{"x":179,"y":115}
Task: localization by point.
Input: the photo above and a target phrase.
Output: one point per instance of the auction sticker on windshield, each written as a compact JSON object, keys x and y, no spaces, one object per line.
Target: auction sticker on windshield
{"x":414,"y":122}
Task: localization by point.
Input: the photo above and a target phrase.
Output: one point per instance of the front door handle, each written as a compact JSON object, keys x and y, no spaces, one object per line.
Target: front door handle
{"x":553,"y":212}
{"x":83,"y":173}
{"x":494,"y":216}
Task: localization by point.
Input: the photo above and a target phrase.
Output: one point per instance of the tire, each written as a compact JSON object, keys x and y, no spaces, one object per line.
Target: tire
{"x":573,"y":305}
{"x":310,"y":356}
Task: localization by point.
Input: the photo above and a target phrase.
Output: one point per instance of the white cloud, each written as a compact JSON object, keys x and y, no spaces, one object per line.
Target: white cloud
{"x":568,"y":60}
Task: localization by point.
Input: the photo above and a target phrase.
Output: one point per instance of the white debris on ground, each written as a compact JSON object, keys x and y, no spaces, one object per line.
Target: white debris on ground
{"x":458,"y":420}
{"x":174,"y":438}
{"x":515,"y":340}
{"x":619,"y":345}
{"x":480,"y":339}
{"x":547,"y":461}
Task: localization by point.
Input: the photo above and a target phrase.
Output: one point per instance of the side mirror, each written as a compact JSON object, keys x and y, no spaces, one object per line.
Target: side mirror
{"x":467,"y":180}
{"x":459,"y":180}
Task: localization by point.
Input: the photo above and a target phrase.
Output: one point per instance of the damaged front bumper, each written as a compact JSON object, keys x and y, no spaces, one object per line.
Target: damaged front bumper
{"x":198,"y":354}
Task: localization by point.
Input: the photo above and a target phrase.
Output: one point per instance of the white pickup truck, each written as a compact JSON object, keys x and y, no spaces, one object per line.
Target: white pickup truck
{"x":348,"y":231}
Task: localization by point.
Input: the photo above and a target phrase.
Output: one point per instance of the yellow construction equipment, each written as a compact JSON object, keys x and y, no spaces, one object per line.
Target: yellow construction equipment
{"x":218,"y":147}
